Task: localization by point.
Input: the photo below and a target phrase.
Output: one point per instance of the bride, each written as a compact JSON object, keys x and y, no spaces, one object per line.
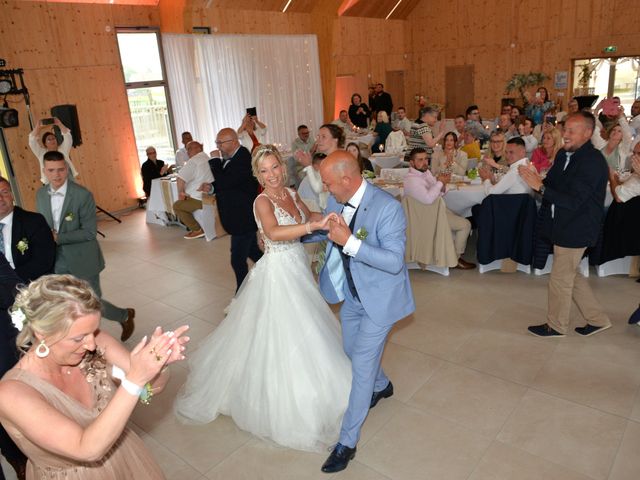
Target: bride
{"x":276,"y":363}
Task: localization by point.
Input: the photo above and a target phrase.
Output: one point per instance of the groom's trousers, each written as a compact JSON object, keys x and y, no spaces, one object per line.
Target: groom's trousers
{"x":363,"y":343}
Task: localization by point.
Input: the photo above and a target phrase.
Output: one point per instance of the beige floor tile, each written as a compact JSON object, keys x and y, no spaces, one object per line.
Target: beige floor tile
{"x":504,"y":462}
{"x":358,"y":471}
{"x":213,"y":312}
{"x":590,"y":381}
{"x":408,"y":369}
{"x":577,"y":437}
{"x":627,"y":463}
{"x":415,"y":445}
{"x":378,"y":417}
{"x":469,"y":398}
{"x":196,"y":296}
{"x":165,"y":284}
{"x":635,"y":411}
{"x":199,"y":330}
{"x":259,"y":459}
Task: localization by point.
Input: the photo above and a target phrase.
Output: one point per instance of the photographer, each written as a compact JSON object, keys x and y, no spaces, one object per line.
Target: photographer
{"x":49,"y":143}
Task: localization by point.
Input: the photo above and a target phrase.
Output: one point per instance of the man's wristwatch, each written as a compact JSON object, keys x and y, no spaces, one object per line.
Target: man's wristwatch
{"x":541,"y":190}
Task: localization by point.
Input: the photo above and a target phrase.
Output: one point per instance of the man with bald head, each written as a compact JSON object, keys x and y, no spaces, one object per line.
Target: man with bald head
{"x":364,"y":267}
{"x":236,"y":188}
{"x":573,"y":195}
{"x":193,"y":174}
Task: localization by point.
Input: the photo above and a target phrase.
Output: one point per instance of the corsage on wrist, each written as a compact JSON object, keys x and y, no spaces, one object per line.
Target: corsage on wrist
{"x":145,"y":393}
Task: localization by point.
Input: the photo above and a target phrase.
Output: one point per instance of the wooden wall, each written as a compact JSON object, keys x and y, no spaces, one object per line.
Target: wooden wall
{"x":501,"y":38}
{"x":70,"y":56}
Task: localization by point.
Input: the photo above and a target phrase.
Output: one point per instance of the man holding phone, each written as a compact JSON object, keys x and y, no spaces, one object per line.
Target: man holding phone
{"x":252,"y":132}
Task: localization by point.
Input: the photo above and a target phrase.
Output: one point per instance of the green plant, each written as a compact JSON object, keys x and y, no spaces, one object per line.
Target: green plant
{"x":522,"y":81}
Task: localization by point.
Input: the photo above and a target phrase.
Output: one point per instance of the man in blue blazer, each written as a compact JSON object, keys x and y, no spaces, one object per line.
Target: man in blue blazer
{"x":364,"y":267}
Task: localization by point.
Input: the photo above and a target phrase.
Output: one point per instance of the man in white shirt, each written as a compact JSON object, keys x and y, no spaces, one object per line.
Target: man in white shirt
{"x":343,"y":121}
{"x":526,"y":133}
{"x":421,"y":185}
{"x":181,"y":154}
{"x":511,"y":182}
{"x":402,"y":123}
{"x":190,"y":178}
{"x":634,"y":123}
{"x":303,"y":143}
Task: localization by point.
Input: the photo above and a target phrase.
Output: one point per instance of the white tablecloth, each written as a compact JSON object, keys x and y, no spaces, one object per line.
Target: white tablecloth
{"x":367,"y":139}
{"x":460,"y":199}
{"x":386,"y":161}
{"x":164,"y":191}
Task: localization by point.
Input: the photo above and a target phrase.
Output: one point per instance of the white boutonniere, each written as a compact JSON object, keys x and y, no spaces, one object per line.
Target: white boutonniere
{"x":18,"y":318}
{"x":69,"y":217}
{"x":22,"y":246}
{"x":362,"y":233}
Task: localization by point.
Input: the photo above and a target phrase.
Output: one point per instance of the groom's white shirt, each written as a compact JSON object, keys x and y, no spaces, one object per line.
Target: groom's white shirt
{"x":334,"y":263}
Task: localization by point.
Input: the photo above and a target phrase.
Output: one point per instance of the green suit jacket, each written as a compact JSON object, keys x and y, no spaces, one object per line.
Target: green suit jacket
{"x":78,"y":251}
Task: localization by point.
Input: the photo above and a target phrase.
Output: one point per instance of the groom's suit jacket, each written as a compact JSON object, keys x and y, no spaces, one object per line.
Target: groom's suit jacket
{"x":378,"y":269}
{"x":39,"y":256}
{"x":78,"y":251}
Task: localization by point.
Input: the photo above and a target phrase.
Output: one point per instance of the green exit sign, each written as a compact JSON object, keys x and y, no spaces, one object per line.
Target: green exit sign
{"x":610,"y":49}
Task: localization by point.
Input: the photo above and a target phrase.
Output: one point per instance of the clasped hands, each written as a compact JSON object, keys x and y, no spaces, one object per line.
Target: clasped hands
{"x":530,"y":176}
{"x":339,"y":231}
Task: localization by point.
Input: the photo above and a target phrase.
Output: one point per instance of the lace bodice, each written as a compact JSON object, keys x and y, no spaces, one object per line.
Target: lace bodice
{"x":284,"y":218}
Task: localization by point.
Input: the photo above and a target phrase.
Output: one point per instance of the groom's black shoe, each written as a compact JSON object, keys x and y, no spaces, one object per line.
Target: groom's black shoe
{"x":384,"y":393}
{"x":339,"y":459}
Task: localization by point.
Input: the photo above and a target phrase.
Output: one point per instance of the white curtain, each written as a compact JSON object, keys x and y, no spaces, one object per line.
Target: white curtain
{"x":213,"y":79}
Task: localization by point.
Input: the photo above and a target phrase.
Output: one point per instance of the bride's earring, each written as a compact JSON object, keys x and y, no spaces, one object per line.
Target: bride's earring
{"x":42,"y":350}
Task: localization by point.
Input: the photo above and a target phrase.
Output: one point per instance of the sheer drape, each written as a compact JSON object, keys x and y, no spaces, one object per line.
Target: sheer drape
{"x":214,"y":78}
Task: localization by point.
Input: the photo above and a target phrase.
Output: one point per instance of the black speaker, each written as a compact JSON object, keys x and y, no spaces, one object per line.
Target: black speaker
{"x":8,"y":117}
{"x":68,"y":115}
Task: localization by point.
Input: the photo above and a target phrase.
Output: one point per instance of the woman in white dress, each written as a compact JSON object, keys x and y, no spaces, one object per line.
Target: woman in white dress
{"x":276,"y":363}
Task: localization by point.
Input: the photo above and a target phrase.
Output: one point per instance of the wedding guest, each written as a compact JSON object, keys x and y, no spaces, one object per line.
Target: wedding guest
{"x":448,"y":158}
{"x":526,"y":134}
{"x":422,"y":134}
{"x":543,"y":156}
{"x":252,"y":132}
{"x":72,"y":417}
{"x":402,"y":123}
{"x":516,"y":113}
{"x":381,"y":100}
{"x":496,"y":157}
{"x":540,"y":105}
{"x":572,"y":107}
{"x":473,"y":131}
{"x":343,"y":121}
{"x":426,"y":188}
{"x":511,"y":182}
{"x":303,"y":141}
{"x":458,"y":124}
{"x":634,"y":123}
{"x":364,"y":163}
{"x":50,"y":144}
{"x":572,"y":212}
{"x":195,"y":172}
{"x":623,"y":191}
{"x":70,"y":212}
{"x":235,"y":188}
{"x":618,"y":144}
{"x":359,"y":112}
{"x":506,"y":126}
{"x":382,"y":131}
{"x":315,"y":201}
{"x":181,"y":154}
{"x":473,"y":117}
{"x":151,"y":169}
{"x":25,"y":238}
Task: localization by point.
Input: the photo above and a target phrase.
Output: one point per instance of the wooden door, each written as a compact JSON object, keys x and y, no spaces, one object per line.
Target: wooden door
{"x":458,"y":89}
{"x":394,"y":85}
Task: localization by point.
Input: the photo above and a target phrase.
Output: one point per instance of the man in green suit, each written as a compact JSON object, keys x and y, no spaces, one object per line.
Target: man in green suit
{"x":70,"y":211}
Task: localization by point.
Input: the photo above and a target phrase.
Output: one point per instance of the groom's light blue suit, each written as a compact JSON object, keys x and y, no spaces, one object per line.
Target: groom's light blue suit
{"x":384,"y":297}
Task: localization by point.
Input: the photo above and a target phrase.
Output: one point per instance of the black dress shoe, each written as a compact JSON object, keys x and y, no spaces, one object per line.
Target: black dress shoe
{"x":129,"y":325}
{"x":339,"y":459}
{"x":384,"y":393}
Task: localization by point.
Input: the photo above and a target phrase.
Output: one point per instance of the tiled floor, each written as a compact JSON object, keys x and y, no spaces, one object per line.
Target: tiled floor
{"x":476,"y":397}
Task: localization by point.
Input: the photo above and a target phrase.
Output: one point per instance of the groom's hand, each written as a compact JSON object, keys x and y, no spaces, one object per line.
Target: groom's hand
{"x":339,"y":231}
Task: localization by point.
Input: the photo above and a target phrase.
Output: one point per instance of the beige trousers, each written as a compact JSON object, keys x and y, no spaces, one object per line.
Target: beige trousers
{"x":460,"y":228}
{"x":565,"y":284}
{"x":184,"y":211}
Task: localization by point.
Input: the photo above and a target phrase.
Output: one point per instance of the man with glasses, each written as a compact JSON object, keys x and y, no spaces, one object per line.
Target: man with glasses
{"x":236,"y":189}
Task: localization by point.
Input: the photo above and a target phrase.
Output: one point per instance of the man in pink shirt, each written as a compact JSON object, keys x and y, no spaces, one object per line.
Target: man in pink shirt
{"x":421,"y":185}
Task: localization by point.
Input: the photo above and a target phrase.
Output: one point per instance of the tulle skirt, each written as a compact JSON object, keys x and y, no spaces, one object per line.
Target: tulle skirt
{"x":276,"y":363}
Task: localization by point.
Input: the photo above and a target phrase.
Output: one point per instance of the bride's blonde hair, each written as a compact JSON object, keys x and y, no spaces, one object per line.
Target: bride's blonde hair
{"x":260,"y":153}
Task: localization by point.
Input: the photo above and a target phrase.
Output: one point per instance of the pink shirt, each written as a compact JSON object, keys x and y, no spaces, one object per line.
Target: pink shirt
{"x":540,"y":160}
{"x":422,"y":186}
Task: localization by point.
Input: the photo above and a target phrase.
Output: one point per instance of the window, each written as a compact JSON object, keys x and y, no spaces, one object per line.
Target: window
{"x":147,"y":91}
{"x":608,"y":77}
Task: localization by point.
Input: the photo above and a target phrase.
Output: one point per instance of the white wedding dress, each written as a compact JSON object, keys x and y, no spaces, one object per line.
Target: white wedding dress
{"x":276,"y":363}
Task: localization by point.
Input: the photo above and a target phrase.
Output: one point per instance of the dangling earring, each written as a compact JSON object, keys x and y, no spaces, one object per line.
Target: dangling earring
{"x":42,"y":350}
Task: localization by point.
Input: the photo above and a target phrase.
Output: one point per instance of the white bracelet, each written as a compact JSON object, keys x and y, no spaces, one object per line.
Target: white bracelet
{"x":131,"y":387}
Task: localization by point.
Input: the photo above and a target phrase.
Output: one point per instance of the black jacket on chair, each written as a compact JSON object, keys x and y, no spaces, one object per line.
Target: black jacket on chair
{"x":621,"y":233}
{"x":578,"y":195}
{"x":236,"y":189}
{"x":40,"y":255}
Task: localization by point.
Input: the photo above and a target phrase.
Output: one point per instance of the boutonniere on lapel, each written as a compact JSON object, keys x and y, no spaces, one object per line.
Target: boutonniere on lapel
{"x":362,"y":233}
{"x":69,"y":217}
{"x":22,"y":246}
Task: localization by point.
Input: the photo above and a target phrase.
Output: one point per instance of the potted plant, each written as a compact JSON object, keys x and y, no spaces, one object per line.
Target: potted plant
{"x":583,"y":93}
{"x":522,"y":81}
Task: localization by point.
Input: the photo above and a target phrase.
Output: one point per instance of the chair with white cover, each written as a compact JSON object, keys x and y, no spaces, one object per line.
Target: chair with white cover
{"x":429,"y":240}
{"x":396,"y":142}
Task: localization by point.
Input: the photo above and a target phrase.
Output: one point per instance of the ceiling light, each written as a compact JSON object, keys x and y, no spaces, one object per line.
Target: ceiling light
{"x":393,"y":10}
{"x":286,"y":6}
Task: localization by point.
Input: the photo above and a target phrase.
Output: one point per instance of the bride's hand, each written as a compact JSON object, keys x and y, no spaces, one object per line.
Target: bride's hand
{"x":324,"y":222}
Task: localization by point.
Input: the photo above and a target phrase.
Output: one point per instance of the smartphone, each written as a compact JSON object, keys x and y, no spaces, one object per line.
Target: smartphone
{"x":252,"y":112}
{"x":47,"y":121}
{"x":538,"y":94}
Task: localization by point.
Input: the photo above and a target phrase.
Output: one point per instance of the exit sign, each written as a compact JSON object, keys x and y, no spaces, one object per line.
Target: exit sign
{"x":610,"y":49}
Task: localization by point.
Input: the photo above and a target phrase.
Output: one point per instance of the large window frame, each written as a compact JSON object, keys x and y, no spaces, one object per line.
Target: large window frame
{"x":163,"y":83}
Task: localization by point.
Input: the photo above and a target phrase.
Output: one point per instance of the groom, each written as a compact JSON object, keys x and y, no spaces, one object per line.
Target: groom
{"x":365,"y":268}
